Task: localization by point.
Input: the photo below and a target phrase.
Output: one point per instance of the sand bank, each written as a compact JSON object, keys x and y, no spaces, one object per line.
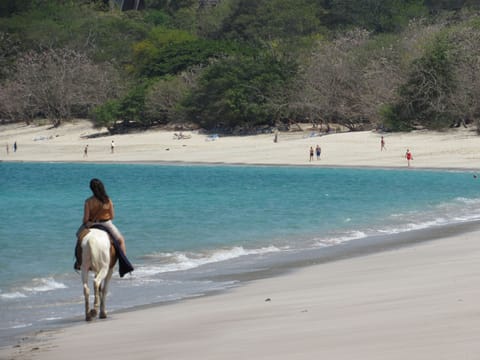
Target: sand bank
{"x":457,"y":148}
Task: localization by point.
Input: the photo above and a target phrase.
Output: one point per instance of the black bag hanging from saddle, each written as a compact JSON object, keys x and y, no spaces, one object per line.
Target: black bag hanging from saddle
{"x":124,"y":265}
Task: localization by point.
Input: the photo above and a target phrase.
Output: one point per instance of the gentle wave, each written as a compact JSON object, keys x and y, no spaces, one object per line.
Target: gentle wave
{"x":39,"y":285}
{"x":460,"y":210}
{"x":468,"y":201}
{"x":13,"y":295}
{"x":54,"y":318}
{"x":45,"y":284}
{"x":413,"y":226}
{"x":21,"y":326}
{"x":340,"y":238}
{"x":180,"y":261}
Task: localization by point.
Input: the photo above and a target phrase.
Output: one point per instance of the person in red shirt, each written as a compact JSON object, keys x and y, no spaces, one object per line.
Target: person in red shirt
{"x":408,"y":156}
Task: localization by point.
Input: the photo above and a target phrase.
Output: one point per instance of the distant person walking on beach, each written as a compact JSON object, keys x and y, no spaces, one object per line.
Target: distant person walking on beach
{"x":382,"y":144}
{"x":112,"y":147}
{"x":408,"y":156}
{"x":8,"y":149}
{"x":85,"y":151}
{"x":311,"y":153}
{"x":15,"y":146}
{"x":319,"y":151}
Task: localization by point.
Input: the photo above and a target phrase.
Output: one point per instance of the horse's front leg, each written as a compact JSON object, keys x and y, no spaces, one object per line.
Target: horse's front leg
{"x":86,"y":295}
{"x":103,"y":294}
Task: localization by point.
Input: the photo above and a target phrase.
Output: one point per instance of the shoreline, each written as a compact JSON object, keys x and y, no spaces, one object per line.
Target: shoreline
{"x":453,"y":149}
{"x":43,"y":340}
{"x":302,"y":297}
{"x":245,"y":164}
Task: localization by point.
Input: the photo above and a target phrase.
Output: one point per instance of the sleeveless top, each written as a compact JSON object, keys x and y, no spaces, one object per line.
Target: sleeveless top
{"x":101,"y":212}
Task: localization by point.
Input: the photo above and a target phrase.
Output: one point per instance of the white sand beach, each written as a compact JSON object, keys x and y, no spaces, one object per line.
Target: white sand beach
{"x":458,"y":148}
{"x":412,"y":302}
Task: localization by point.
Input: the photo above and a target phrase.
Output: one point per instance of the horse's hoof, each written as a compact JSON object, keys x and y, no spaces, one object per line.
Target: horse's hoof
{"x":93,"y":313}
{"x":88,"y":318}
{"x":103,"y":315}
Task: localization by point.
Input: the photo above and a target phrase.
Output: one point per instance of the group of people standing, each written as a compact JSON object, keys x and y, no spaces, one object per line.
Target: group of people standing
{"x":317,"y":151}
{"x":14,"y":147}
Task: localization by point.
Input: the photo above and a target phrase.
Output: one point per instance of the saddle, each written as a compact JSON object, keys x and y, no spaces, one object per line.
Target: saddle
{"x":116,"y":252}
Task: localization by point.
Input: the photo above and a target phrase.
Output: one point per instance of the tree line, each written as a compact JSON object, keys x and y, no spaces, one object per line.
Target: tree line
{"x":242,"y":66}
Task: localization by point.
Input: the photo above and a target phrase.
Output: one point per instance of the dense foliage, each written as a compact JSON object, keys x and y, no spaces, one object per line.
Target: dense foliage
{"x":240,"y":66}
{"x":240,"y":91}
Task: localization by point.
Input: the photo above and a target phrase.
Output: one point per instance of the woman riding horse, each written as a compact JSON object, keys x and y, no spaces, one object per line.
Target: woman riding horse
{"x":98,"y":210}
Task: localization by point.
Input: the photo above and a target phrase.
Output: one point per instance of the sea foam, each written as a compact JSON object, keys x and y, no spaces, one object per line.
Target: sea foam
{"x":44,"y":284}
{"x":179,"y":261}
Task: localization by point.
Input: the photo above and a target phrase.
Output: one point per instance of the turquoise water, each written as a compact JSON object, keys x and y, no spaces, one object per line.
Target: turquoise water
{"x":186,"y":225}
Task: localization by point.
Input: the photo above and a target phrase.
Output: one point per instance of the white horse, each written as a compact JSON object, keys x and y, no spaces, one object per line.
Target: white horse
{"x":99,"y":257}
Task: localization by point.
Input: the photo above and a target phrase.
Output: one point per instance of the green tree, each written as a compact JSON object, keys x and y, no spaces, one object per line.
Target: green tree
{"x":235,"y":93}
{"x":132,"y":106}
{"x":268,"y":20}
{"x":8,"y":8}
{"x":376,"y":15}
{"x":438,"y":5}
{"x":210,"y":19}
{"x":10,"y":49}
{"x":170,"y":6}
{"x":107,"y":114}
{"x":51,"y":24}
{"x":154,"y":59}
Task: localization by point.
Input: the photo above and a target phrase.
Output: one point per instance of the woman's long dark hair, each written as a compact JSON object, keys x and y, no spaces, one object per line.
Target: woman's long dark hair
{"x":99,"y":190}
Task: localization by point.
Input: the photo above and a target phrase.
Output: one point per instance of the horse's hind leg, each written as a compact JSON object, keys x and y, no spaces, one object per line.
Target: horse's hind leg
{"x":103,"y":294}
{"x":97,"y":284}
{"x":86,"y":295}
{"x":96,"y":301}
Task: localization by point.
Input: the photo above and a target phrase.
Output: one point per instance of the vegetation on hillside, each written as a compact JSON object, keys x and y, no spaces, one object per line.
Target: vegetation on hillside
{"x":242,"y":66}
